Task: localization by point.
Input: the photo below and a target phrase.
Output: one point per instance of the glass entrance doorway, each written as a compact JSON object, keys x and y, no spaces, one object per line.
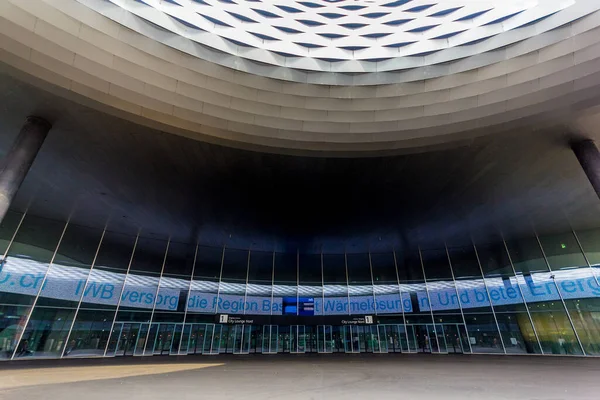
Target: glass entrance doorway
{"x":325,"y":339}
{"x":201,"y":339}
{"x":161,"y":339}
{"x":127,"y":339}
{"x":351,"y":338}
{"x":427,"y":338}
{"x":396,"y":338}
{"x":270,"y":339}
{"x":297,"y":339}
{"x":241,"y":338}
{"x":376,"y":337}
{"x":138,"y":339}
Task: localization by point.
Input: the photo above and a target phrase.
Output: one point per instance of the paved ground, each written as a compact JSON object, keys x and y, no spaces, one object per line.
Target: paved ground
{"x":290,"y":377}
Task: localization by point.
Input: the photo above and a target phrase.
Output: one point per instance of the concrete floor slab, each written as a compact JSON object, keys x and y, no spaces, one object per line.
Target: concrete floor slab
{"x":370,"y":377}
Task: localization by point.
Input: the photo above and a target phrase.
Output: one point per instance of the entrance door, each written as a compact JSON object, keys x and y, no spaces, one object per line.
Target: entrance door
{"x":297,"y":339}
{"x":177,"y":338}
{"x":456,"y":338}
{"x":241,"y":338}
{"x":395,"y":338}
{"x":126,"y":335}
{"x":311,"y":339}
{"x":128,"y":338}
{"x":377,"y":338}
{"x":351,"y":339}
{"x":163,"y":339}
{"x":420,"y":339}
{"x":284,"y":339}
{"x":186,"y":335}
{"x":324,"y":339}
{"x":212,"y":339}
{"x":195,"y":341}
{"x":270,"y":338}
{"x":437,"y":338}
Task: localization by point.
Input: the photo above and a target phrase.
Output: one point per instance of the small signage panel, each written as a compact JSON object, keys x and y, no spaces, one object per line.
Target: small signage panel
{"x":367,"y":319}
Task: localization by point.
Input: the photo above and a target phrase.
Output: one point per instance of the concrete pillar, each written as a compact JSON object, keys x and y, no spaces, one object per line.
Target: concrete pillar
{"x":587,"y":153}
{"x":19,"y":159}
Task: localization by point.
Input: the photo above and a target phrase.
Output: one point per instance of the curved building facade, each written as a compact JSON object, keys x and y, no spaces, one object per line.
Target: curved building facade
{"x":318,"y":176}
{"x":86,"y":292}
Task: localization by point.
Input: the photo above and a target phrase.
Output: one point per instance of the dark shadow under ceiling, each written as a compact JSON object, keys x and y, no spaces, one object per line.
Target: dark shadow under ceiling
{"x":96,"y":167}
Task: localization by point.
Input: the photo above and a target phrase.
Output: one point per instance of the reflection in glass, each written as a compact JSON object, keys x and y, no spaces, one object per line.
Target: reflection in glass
{"x":510,"y":307}
{"x":92,"y":326}
{"x":576,"y":283}
{"x":549,"y":317}
{"x":335,"y":288}
{"x":419,"y":318}
{"x":474,"y":299}
{"x":524,"y":297}
{"x":442,"y":299}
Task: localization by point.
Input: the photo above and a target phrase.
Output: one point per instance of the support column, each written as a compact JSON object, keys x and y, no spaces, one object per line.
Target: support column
{"x":19,"y":159}
{"x":589,"y":157}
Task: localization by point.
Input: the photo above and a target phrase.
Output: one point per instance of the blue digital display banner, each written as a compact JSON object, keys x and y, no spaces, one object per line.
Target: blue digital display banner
{"x":303,"y":306}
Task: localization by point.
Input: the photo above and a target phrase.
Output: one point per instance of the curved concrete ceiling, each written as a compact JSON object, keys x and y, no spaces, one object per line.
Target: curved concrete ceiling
{"x":403,"y":74}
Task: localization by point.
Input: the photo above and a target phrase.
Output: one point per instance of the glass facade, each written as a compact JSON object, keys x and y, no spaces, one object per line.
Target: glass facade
{"x":73,"y":291}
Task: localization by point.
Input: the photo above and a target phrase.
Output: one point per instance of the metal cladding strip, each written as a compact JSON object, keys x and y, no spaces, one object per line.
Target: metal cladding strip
{"x":99,"y":59}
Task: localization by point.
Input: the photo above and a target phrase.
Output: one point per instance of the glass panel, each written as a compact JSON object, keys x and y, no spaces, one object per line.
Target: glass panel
{"x":360,"y":287}
{"x":577,"y":285}
{"x":21,"y":278}
{"x":336,"y":285}
{"x":311,"y":285}
{"x":205,"y":283}
{"x":414,"y":298}
{"x":352,"y":339}
{"x":113,"y":341}
{"x":177,"y":337}
{"x":241,"y":341}
{"x":10,"y":311}
{"x":473,"y":297}
{"x":286,"y":277}
{"x":385,"y":283}
{"x":506,"y":296}
{"x":442,"y":294}
{"x":259,"y":289}
{"x":67,"y":279}
{"x":149,"y":255}
{"x":141,"y":290}
{"x":546,"y":309}
{"x":90,"y":333}
{"x":186,"y":336}
{"x":270,"y":339}
{"x":163,"y":338}
{"x":232,"y":288}
{"x":46,"y":333}
{"x":324,"y":339}
{"x":100,"y":296}
{"x":297,"y":339}
{"x":377,"y":338}
{"x":171,"y":301}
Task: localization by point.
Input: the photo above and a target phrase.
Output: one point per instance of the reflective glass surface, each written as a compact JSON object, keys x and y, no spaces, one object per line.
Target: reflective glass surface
{"x":73,"y":291}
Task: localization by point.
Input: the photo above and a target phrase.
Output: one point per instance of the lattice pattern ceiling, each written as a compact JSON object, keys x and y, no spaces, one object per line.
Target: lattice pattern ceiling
{"x":180,"y":65}
{"x":314,"y":34}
